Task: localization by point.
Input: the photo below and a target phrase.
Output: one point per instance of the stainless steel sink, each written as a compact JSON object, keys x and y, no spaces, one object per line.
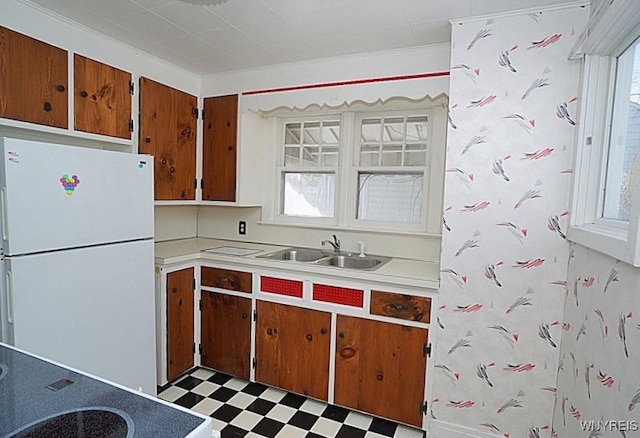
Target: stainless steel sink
{"x":319,"y":257}
{"x":296,"y":255}
{"x":367,"y":263}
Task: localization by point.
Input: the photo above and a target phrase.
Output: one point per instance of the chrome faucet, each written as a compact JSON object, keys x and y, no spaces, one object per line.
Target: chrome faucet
{"x":335,"y":243}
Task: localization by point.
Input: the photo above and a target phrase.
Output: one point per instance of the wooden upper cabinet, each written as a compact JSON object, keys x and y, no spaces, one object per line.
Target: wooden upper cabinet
{"x":219,"y":153}
{"x":33,"y":80}
{"x":102,"y":98}
{"x":380,"y":368}
{"x":168,"y":132}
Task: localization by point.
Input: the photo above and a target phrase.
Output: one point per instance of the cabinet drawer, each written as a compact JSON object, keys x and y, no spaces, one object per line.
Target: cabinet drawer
{"x":338,"y":295}
{"x":226,"y":279}
{"x":400,"y":306}
{"x":280,"y":286}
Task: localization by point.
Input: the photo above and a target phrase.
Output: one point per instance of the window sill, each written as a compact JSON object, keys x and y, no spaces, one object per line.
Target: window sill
{"x":611,"y":241}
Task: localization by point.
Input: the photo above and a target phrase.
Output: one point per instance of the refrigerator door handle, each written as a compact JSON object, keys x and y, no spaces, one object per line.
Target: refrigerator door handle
{"x":5,"y":225}
{"x":9,"y":282}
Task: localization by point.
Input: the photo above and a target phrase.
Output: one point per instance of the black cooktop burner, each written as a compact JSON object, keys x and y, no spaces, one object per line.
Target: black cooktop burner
{"x":88,"y":422}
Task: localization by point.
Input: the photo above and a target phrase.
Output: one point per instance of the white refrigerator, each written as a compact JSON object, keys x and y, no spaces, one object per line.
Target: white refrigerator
{"x":77,"y":271}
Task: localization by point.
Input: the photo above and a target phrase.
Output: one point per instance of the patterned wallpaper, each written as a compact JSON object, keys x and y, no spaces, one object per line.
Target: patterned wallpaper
{"x":513,"y":101}
{"x":599,"y":368}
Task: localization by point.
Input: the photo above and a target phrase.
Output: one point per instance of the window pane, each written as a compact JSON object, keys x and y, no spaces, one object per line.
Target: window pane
{"x":311,"y":133}
{"x":393,"y":129}
{"x":310,"y":155}
{"x":625,"y":136}
{"x":369,"y":155}
{"x":291,"y":155}
{"x":370,"y":131}
{"x":392,"y":155}
{"x":331,"y":133}
{"x":415,"y":155}
{"x":292,"y":133}
{"x":390,"y":197}
{"x":417,"y":128}
{"x":330,"y":156}
{"x":308,"y":194}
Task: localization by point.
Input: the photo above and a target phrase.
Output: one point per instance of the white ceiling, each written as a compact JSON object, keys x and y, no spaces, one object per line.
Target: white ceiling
{"x":238,"y":34}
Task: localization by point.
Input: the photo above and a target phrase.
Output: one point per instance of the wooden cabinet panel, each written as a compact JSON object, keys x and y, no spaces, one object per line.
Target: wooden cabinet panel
{"x":380,"y":368}
{"x":180,"y":322}
{"x":219,"y":148}
{"x":226,"y":333}
{"x":102,"y":98}
{"x":168,"y":132}
{"x":33,"y":80}
{"x":226,"y":279}
{"x":293,"y":348}
{"x":400,"y":306}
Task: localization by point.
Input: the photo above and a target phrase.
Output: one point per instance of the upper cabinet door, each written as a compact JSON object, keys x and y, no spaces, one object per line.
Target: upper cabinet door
{"x":168,"y":132}
{"x":220,"y":137}
{"x":33,"y":80}
{"x":102,"y":98}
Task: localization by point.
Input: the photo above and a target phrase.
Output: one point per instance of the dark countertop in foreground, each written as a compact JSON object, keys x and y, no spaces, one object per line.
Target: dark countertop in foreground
{"x":25,"y":400}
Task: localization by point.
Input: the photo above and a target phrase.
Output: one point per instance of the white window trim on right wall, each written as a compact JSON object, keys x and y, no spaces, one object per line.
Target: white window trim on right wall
{"x":618,"y":28}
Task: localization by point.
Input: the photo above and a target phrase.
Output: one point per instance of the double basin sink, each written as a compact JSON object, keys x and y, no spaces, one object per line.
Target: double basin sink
{"x":322,"y":258}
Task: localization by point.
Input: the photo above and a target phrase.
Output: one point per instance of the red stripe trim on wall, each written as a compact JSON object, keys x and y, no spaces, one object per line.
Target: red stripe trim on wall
{"x":354,"y":82}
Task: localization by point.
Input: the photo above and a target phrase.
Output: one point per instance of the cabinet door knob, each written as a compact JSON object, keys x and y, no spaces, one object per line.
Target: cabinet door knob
{"x":147,"y":140}
{"x":84,"y":93}
{"x":323,"y":331}
{"x":341,"y":335}
{"x":47,"y":107}
{"x":379,"y":377}
{"x":174,"y":290}
{"x":61,"y":88}
{"x":229,"y":148}
{"x":269,"y":331}
{"x":180,"y":302}
{"x":309,"y":337}
{"x":244,"y":316}
{"x":172,"y":169}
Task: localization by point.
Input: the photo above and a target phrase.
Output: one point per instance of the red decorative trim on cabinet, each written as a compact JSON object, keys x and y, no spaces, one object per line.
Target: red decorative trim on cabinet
{"x":338,"y":295}
{"x":291,"y":288}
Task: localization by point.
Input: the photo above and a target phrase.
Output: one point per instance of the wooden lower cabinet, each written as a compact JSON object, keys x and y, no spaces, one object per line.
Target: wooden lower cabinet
{"x":293,"y":348}
{"x":226,"y":333}
{"x":380,"y":368}
{"x":180,"y":322}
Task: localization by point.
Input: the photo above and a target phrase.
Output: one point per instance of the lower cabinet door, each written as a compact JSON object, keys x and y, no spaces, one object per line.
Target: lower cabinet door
{"x":293,"y":348}
{"x":226,"y":333}
{"x":380,"y":368}
{"x":180,"y":322}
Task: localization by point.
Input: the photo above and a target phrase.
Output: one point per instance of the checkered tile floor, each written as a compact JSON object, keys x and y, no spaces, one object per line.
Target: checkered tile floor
{"x":245,"y":409}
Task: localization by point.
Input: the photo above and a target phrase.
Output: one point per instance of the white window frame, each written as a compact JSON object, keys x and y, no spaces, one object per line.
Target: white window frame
{"x":615,"y":31}
{"x":346,"y":175}
{"x":281,"y":169}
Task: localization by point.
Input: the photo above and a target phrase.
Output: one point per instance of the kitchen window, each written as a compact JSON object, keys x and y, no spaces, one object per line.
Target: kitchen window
{"x":606,"y":202}
{"x":368,"y":168}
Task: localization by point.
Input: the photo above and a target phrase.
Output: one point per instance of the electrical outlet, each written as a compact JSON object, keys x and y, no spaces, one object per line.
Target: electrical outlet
{"x":242,"y":227}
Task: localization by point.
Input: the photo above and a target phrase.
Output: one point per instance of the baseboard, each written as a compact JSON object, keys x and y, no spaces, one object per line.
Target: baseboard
{"x":440,"y":429}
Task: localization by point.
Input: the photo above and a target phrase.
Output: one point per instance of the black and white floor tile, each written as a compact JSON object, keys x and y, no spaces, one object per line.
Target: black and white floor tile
{"x":245,"y":409}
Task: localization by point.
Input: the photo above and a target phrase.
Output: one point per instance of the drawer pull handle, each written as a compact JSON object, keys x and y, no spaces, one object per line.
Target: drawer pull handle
{"x":347,"y":352}
{"x":399,"y":308}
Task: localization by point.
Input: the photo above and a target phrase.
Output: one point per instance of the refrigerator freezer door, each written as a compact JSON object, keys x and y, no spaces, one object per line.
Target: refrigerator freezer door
{"x":56,"y":197}
{"x":91,"y":308}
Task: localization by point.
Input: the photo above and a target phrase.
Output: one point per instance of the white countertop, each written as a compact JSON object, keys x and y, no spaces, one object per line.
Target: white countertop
{"x":397,"y":271}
